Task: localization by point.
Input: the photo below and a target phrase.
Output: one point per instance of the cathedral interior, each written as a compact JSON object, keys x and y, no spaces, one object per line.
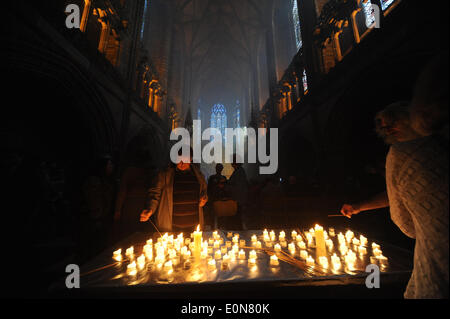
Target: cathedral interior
{"x":117,"y":83}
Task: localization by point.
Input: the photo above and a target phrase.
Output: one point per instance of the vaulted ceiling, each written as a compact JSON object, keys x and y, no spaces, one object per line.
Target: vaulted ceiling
{"x":220,"y":39}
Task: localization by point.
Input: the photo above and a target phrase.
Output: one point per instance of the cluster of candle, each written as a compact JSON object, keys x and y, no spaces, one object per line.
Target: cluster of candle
{"x":170,"y":251}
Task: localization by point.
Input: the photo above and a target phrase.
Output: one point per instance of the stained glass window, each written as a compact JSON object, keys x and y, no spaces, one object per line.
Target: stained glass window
{"x":386,"y":4}
{"x":305,"y":81}
{"x":143,"y":18}
{"x":368,"y":12}
{"x":237,"y":114}
{"x":219,"y":118}
{"x":296,"y":20}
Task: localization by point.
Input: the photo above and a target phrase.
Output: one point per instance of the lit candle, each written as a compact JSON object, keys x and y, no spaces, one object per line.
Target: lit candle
{"x":309,"y":236}
{"x":229,"y":234}
{"x":187,"y":241}
{"x":301,"y":244}
{"x":292,"y":248}
{"x":294,"y":235}
{"x":216,"y":244}
{"x":223,"y":250}
{"x":331,"y":232}
{"x":149,"y":242}
{"x":228,"y":244}
{"x":341,"y":239}
{"x":349,"y":235}
{"x":377,"y":252}
{"x":310,"y":261}
{"x":329,"y":244}
{"x":241,"y":254}
{"x":303,"y":254}
{"x":211,"y":241}
{"x":218,"y":255}
{"x":383,"y":260}
{"x":215,"y":234}
{"x":235,"y":248}
{"x":299,"y":238}
{"x":235,"y":239}
{"x":265,"y":233}
{"x":117,"y":255}
{"x":274,"y":260}
{"x":266,"y":238}
{"x":232,"y":256}
{"x":277,"y":247}
{"x":362,"y":250}
{"x":375,"y":246}
{"x":272,"y":236}
{"x":131,"y":269}
{"x":168,"y":266}
{"x":254,"y":239}
{"x":336,"y":261}
{"x":321,"y":250}
{"x":363,"y":240}
{"x":258,"y":244}
{"x":282,"y":236}
{"x":343,"y":249}
{"x":283,"y":244}
{"x":355,"y":241}
{"x":252,"y":262}
{"x":212,"y":264}
{"x":197,"y":242}
{"x":130,"y":252}
{"x":242,"y":243}
{"x":141,"y":262}
{"x":225,"y":259}
{"x":323,"y":262}
{"x":253,"y":255}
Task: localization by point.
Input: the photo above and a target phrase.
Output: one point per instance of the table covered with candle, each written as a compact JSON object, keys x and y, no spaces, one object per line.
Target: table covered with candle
{"x":267,"y":263}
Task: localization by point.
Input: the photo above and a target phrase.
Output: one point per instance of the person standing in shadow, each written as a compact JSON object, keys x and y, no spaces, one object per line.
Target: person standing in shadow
{"x":132,"y":195}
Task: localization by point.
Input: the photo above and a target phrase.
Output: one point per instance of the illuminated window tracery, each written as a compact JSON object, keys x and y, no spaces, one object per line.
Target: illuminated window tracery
{"x":296,"y":20}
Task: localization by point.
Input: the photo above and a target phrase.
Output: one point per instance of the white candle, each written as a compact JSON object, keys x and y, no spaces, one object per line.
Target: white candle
{"x":303,"y":254}
{"x":291,"y":247}
{"x":274,"y":260}
{"x":355,"y":241}
{"x":323,"y":262}
{"x":216,"y":244}
{"x":212,"y":264}
{"x":321,"y":250}
{"x":294,"y":235}
{"x":225,"y":259}
{"x":309,"y":237}
{"x":149,"y":242}
{"x":362,"y":250}
{"x":235,"y":239}
{"x":228,"y":244}
{"x":282,"y":236}
{"x":349,"y":235}
{"x":197,"y":242}
{"x":211,"y":241}
{"x":258,"y":244}
{"x":277,"y":247}
{"x":229,"y":234}
{"x":299,"y":238}
{"x":329,"y":244}
{"x":336,"y":261}
{"x":331,"y":232}
{"x":377,"y":252}
{"x":253,"y":255}
{"x":363,"y":240}
{"x":141,"y":262}
{"x":310,"y":261}
{"x":131,"y":269}
{"x":130,"y":251}
{"x":218,"y":255}
{"x":223,"y":250}
{"x":242,"y":254}
{"x":242,"y":243}
{"x":117,"y":255}
{"x":301,"y":244}
{"x":252,"y":262}
{"x":254,"y":239}
{"x":235,"y":248}
{"x":265,"y":233}
{"x":215,"y":234}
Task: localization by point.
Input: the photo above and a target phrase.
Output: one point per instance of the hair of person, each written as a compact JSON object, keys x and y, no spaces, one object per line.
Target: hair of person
{"x":398,"y":111}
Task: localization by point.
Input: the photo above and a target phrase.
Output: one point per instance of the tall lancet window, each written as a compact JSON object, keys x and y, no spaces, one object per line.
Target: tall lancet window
{"x":144,"y":17}
{"x":237,"y":114}
{"x":385,"y":4}
{"x":368,"y":12}
{"x":296,"y":22}
{"x":219,"y":118}
{"x":305,"y":82}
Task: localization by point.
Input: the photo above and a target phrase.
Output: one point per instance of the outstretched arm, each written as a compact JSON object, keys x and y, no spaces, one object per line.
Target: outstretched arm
{"x":380,"y":200}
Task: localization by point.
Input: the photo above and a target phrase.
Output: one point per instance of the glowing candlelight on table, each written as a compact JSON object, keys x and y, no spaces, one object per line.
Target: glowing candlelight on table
{"x":311,"y":230}
{"x":228,"y":244}
{"x":215,"y":234}
{"x":252,"y":262}
{"x":266,"y":238}
{"x":336,"y":261}
{"x":216,"y":244}
{"x":159,"y":259}
{"x":187,"y":241}
{"x":212,"y":264}
{"x":218,"y":255}
{"x":235,"y":248}
{"x":141,"y":262}
{"x":282,"y":236}
{"x":229,"y":234}
{"x":374,"y":245}
{"x":225,"y":259}
{"x":362,"y":250}
{"x":325,"y":234}
{"x":363,"y":240}
{"x":343,"y":249}
{"x":321,"y":250}
{"x":253,"y":255}
{"x":265,"y":232}
{"x":277,"y":247}
{"x":349,"y":235}
{"x":130,"y":251}
{"x":323,"y":261}
{"x":204,"y":254}
{"x":149,"y":242}
{"x":131,"y":269}
{"x":268,"y":244}
{"x":329,"y":244}
{"x":242,"y":254}
{"x":283,"y":244}
{"x":309,"y":237}
{"x":303,"y":254}
{"x":355,"y":242}
{"x":160,"y":250}
{"x":294,"y":235}
{"x":258,"y":244}
{"x":301,"y":244}
{"x":254,"y":238}
{"x":197,"y":242}
{"x":235,"y":239}
{"x":168,"y":266}
{"x":272,"y":235}
{"x":299,"y":238}
{"x":117,"y":255}
{"x":211,"y":241}
{"x":341,"y":239}
{"x":274,"y":260}
{"x":223,"y":250}
{"x":291,"y":248}
{"x":310,"y":261}
{"x":187,"y":254}
{"x":383,"y":260}
{"x":377,"y":252}
{"x":242,"y":243}
{"x":232,"y":256}
{"x":184,"y":250}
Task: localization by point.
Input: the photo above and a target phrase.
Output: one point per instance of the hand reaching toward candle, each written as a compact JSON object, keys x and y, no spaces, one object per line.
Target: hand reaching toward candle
{"x":145,"y":215}
{"x":348,"y":210}
{"x":203,"y":201}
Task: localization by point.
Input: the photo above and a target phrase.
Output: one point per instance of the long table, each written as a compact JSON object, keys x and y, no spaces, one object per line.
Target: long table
{"x":103,"y":276}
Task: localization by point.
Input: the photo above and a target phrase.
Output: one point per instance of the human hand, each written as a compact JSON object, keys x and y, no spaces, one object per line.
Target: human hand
{"x":203,"y":201}
{"x":348,"y":210}
{"x":145,"y":215}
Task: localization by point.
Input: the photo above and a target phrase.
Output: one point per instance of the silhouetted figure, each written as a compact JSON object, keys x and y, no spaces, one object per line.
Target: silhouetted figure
{"x":216,"y":185}
{"x":237,"y":187}
{"x":132,"y":195}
